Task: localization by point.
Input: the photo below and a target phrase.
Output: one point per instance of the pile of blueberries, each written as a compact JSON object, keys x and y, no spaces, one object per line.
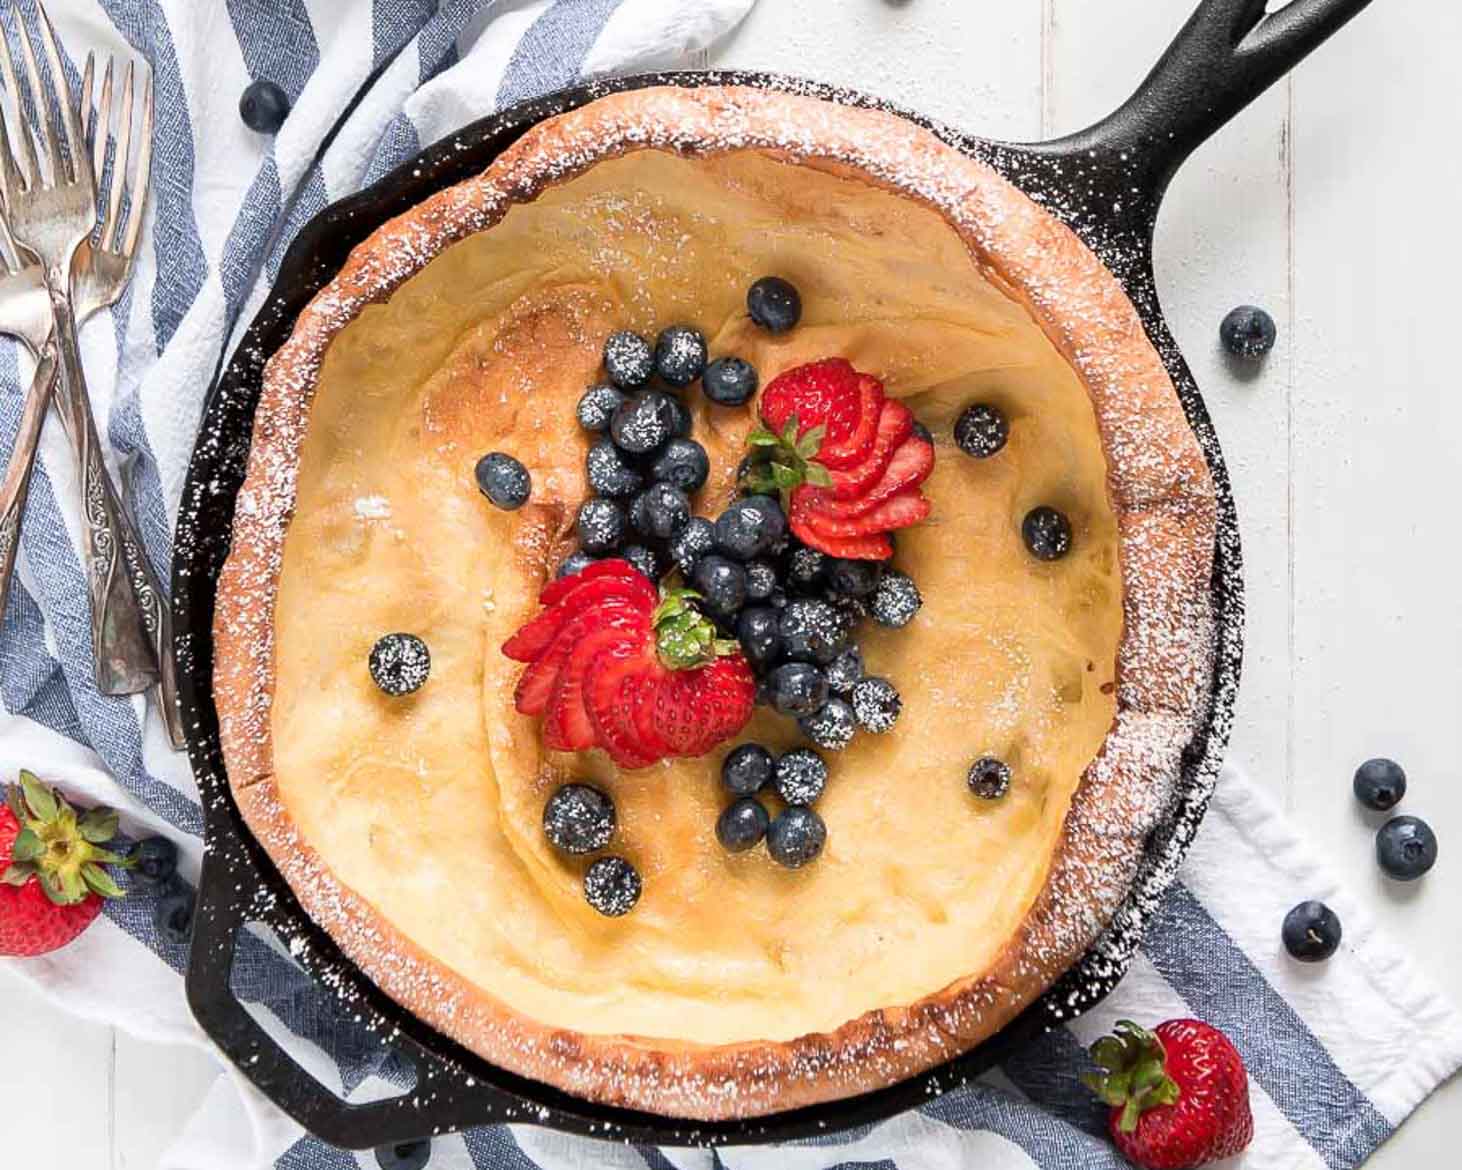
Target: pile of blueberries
{"x":795,"y":835}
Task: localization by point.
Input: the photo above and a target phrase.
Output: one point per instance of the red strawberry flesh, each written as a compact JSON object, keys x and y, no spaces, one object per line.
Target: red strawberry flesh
{"x":895,"y":424}
{"x":909,"y":467}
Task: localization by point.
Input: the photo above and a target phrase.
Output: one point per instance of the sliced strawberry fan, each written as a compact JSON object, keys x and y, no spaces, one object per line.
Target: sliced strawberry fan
{"x":614,"y":664}
{"x":844,"y":459}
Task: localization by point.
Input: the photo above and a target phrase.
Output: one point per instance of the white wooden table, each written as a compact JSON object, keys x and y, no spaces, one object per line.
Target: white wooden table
{"x":1332,"y":202}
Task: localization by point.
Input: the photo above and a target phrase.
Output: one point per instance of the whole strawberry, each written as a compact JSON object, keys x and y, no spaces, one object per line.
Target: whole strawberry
{"x":1179,"y":1094}
{"x":51,"y":876}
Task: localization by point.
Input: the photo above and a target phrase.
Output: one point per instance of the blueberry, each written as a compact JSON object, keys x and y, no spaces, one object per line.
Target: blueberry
{"x":612,"y":886}
{"x":667,"y":510}
{"x":813,"y":631}
{"x":757,"y":631}
{"x":853,"y":578}
{"x":680,"y":355}
{"x":797,"y":688}
{"x":1311,"y":932}
{"x":742,"y":825}
{"x":800,"y":777}
{"x":896,"y":600}
{"x":156,"y":860}
{"x":852,"y":609}
{"x":601,"y":526}
{"x":1406,"y":848}
{"x":578,"y":819}
{"x":777,"y":598}
{"x":981,"y":430}
{"x":680,"y":420}
{"x":639,"y":514}
{"x":989,"y":778}
{"x":805,"y":567}
{"x":646,"y":560}
{"x":795,"y":837}
{"x":831,"y":726}
{"x":598,"y":405}
{"x":644,"y":423}
{"x":404,"y":1155}
{"x":731,"y":381}
{"x":774,"y":304}
{"x":174,"y":913}
{"x":628,"y":359}
{"x":1380,"y":784}
{"x":609,"y":473}
{"x":1047,"y":533}
{"x":746,"y":770}
{"x":751,"y":526}
{"x":264,"y":107}
{"x":399,"y":663}
{"x":844,"y":671}
{"x":503,"y":480}
{"x":876,"y":704}
{"x":1248,"y":332}
{"x":761,"y":580}
{"x":693,"y":542}
{"x":721,"y":584}
{"x":684,"y":463}
{"x":576,"y":563}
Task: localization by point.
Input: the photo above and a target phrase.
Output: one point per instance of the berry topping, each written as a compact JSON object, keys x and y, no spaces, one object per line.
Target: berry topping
{"x":989,"y":778}
{"x":751,"y":527}
{"x":646,"y":560}
{"x":609,"y":473}
{"x":1380,"y":784}
{"x":578,"y":819}
{"x":853,"y":578}
{"x":693,"y":542}
{"x":681,"y":423}
{"x":774,"y":304}
{"x":761,"y":580}
{"x":628,"y":359}
{"x":805,"y":567}
{"x":831,"y":726}
{"x":800,"y":777}
{"x":722,"y":584}
{"x":614,"y":664}
{"x":742,"y":825}
{"x":1248,"y":332}
{"x":1047,"y":533}
{"x":1406,"y":848}
{"x":503,"y":480}
{"x":666,"y":510}
{"x":263,"y":107}
{"x":797,"y":688}
{"x":601,"y":526}
{"x":981,"y":430}
{"x":747,"y":769}
{"x":173,"y":914}
{"x":575,"y":563}
{"x":876,"y":704}
{"x":684,"y":463}
{"x":795,"y":837}
{"x":896,"y":600}
{"x":813,"y":631}
{"x":1311,"y":932}
{"x":52,"y":879}
{"x":1178,"y":1095}
{"x":399,"y":664}
{"x":844,"y":671}
{"x":680,"y":355}
{"x":731,"y":381}
{"x":156,"y":860}
{"x":758,"y":631}
{"x":645,"y":422}
{"x":404,"y":1156}
{"x":612,"y":886}
{"x":598,"y":405}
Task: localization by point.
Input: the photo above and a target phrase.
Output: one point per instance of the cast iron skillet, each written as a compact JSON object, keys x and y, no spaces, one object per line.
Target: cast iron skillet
{"x":1106,"y":183}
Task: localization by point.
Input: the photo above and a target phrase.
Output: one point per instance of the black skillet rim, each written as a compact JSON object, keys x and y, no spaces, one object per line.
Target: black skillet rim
{"x":455,"y":1088}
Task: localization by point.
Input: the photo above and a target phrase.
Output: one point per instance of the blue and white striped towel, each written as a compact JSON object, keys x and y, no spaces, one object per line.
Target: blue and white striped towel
{"x":1338,"y":1055}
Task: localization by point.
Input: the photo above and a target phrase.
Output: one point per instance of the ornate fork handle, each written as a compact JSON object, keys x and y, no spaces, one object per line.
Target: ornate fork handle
{"x":16,"y":485}
{"x":127,"y":619}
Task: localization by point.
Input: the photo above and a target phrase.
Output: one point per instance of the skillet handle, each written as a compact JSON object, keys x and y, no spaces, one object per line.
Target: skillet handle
{"x":1227,"y":54}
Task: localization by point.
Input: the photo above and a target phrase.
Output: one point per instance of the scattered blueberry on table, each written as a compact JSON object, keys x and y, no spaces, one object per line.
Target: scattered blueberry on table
{"x":264,"y":107}
{"x":173,"y":913}
{"x":1248,"y":332}
{"x":1380,"y":784}
{"x":1406,"y":848}
{"x":404,"y":1155}
{"x":399,"y":664}
{"x":1311,"y":932}
{"x":155,"y":861}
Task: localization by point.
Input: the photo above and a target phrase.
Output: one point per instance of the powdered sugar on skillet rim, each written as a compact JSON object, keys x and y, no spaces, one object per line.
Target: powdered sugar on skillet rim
{"x":1160,"y":490}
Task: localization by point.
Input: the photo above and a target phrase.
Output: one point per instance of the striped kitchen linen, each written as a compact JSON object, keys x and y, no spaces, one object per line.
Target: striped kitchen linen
{"x":1338,"y":1054}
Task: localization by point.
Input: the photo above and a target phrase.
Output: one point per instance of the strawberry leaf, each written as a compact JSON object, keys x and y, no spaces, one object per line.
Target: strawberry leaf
{"x":786,"y":478}
{"x":809,"y":444}
{"x":100,"y":882}
{"x":98,"y":825}
{"x":67,"y":887}
{"x":761,"y":437}
{"x":16,"y":802}
{"x":18,"y":874}
{"x":789,"y":432}
{"x":818,"y":475}
{"x":40,"y":799}
{"x":28,"y":846}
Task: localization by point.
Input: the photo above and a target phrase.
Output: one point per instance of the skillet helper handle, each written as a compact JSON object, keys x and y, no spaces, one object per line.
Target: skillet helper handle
{"x":1227,"y":54}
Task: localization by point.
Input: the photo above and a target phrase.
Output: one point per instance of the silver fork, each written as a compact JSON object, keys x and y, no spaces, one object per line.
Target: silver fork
{"x":52,"y":213}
